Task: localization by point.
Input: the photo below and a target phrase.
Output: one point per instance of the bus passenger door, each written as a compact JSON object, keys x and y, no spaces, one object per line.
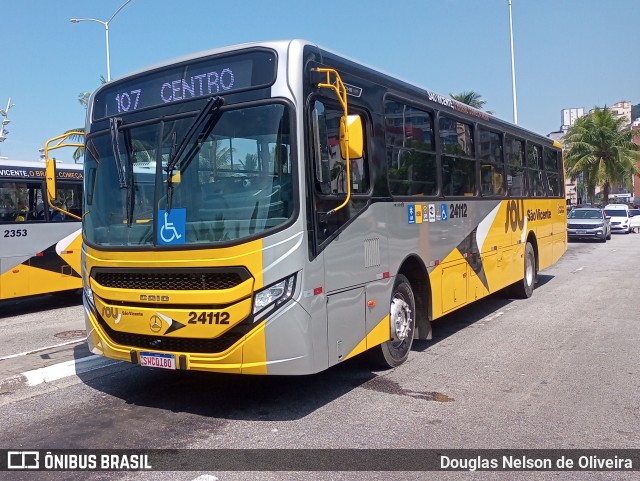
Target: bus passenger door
{"x":348,"y":237}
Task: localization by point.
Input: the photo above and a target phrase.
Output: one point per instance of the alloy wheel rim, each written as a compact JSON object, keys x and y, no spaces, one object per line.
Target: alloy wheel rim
{"x":401,"y":319}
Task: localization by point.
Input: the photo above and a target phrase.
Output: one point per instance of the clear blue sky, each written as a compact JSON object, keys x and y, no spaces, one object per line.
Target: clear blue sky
{"x":569,"y":53}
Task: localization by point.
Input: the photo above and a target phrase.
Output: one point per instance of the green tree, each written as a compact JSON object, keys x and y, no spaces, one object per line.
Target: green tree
{"x":78,"y":154}
{"x":601,"y":147}
{"x":472,"y":99}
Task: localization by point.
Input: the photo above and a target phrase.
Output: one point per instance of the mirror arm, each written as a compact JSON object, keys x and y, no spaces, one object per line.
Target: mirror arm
{"x":338,"y":87}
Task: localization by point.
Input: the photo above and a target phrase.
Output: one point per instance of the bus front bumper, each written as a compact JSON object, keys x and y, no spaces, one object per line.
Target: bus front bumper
{"x":257,"y":352}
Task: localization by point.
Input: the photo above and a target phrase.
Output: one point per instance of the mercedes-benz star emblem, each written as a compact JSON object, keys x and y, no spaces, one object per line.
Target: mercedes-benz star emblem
{"x":155,"y":324}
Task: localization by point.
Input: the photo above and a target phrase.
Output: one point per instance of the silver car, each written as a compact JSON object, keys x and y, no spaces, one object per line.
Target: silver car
{"x":588,"y":223}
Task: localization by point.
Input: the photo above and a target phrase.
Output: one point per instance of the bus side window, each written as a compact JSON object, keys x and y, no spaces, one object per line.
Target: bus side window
{"x":491,"y":164}
{"x":534,"y":167}
{"x":321,"y":150}
{"x":458,"y":162}
{"x":69,"y":198}
{"x":329,"y":166}
{"x":514,"y":159}
{"x":553,"y":170}
{"x":19,"y":201}
{"x":411,"y":157}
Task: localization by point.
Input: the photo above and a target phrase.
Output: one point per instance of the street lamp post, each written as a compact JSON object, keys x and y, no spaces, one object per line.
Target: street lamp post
{"x":106,"y":31}
{"x":5,"y":121}
{"x":513,"y":69}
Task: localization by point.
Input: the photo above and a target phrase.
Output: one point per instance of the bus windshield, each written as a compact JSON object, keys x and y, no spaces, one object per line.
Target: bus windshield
{"x":234,"y":182}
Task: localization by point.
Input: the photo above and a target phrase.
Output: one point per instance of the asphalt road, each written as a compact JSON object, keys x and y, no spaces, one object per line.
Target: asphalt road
{"x":559,"y":370}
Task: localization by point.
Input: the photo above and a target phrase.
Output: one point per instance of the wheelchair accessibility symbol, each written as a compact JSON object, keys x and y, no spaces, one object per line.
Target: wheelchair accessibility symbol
{"x":172,"y":226}
{"x":444,"y":213}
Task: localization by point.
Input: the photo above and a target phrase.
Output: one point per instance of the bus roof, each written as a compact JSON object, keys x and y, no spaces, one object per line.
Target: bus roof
{"x":374,"y":73}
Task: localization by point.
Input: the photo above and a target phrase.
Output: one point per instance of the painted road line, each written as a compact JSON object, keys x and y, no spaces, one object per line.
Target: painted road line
{"x":67,"y":368}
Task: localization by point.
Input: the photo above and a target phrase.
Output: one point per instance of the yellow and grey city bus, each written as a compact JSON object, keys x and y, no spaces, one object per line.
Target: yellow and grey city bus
{"x":41,"y":246}
{"x":275,"y":208}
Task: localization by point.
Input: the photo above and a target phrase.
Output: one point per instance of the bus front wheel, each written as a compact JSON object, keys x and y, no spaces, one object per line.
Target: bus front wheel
{"x":402,"y":319}
{"x":523,"y":289}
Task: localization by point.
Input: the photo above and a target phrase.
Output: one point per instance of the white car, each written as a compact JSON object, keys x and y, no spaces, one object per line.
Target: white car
{"x":620,"y":219}
{"x":634,"y":223}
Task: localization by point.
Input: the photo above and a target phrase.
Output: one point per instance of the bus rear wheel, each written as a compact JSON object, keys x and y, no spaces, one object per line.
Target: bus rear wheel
{"x":402,"y":319}
{"x":523,"y":289}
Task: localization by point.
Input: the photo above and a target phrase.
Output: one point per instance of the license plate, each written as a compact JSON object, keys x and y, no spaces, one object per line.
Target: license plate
{"x":156,"y":359}
{"x":581,"y":231}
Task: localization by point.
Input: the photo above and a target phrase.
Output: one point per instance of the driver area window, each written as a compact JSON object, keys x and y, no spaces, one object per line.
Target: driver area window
{"x":329,"y":166}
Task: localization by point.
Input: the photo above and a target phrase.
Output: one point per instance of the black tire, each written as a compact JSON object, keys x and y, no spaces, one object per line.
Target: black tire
{"x":609,"y":236}
{"x":402,"y":319}
{"x":603,"y":238}
{"x":523,"y":289}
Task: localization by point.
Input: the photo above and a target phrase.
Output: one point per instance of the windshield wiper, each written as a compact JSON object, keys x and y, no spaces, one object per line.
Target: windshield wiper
{"x":201,"y":127}
{"x":123,"y":182}
{"x":114,"y":127}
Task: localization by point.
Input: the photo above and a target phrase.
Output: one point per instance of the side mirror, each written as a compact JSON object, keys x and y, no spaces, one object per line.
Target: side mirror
{"x":351,"y":135}
{"x":51,"y":179}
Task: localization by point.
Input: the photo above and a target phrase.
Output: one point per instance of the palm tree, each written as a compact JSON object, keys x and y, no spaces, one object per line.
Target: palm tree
{"x":79,"y":152}
{"x":600,"y":147}
{"x":83,"y":98}
{"x":472,"y":99}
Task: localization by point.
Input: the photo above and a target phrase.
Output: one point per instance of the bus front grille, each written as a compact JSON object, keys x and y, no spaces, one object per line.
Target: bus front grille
{"x":201,"y":279}
{"x":583,"y":226}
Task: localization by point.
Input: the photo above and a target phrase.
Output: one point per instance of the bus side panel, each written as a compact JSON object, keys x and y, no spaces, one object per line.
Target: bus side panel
{"x":14,"y":281}
{"x":58,"y":269}
{"x":44,"y":258}
{"x":544,"y":217}
{"x":560,"y":230}
{"x":460,"y":241}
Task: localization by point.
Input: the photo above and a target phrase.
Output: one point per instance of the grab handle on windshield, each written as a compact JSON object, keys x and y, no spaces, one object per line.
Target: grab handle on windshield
{"x":51,"y":174}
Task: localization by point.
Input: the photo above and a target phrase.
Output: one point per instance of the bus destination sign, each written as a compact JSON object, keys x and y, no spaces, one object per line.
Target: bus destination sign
{"x":19,"y":172}
{"x":190,"y":80}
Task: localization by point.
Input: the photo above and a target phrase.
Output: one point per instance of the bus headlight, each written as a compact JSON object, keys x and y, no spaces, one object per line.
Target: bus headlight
{"x":273,"y":296}
{"x":86,"y":286}
{"x":88,"y":294}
